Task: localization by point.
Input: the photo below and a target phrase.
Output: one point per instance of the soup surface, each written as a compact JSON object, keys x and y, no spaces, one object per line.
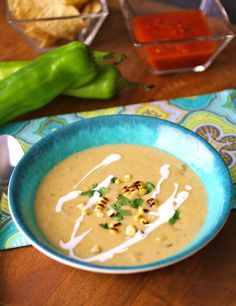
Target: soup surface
{"x":121,"y":205}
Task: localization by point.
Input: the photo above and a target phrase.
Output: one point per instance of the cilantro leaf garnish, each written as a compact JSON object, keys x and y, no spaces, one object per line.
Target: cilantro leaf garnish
{"x":124,"y":212}
{"x":104,"y":225}
{"x":118,"y":217}
{"x":175,"y":217}
{"x":120,"y":213}
{"x":149,"y":187}
{"x":115,"y":206}
{"x":136,"y":202}
{"x":113,"y":180}
{"x":122,"y":200}
{"x":88,"y":193}
{"x":103,"y":191}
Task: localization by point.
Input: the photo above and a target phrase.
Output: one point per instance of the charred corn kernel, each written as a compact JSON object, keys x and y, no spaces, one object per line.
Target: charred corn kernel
{"x":127,"y":178}
{"x":132,"y":188}
{"x":118,"y":181}
{"x":95,"y":249}
{"x":125,"y":189}
{"x":141,"y":219}
{"x":80,"y":205}
{"x":142,"y":210}
{"x":113,"y":227}
{"x":100,"y":214}
{"x":99,"y":207}
{"x":142,"y":191}
{"x":130,"y":230}
{"x":128,"y":189}
{"x":102,"y":203}
{"x":103,"y":200}
{"x":141,"y":187}
{"x":114,"y":224}
{"x":139,"y":184}
{"x":125,"y":192}
{"x":113,"y":230}
{"x":111,"y":212}
{"x":151,"y":202}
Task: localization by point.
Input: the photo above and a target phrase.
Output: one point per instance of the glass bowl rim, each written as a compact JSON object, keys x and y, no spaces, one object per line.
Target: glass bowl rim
{"x":229,"y":34}
{"x":104,"y":12}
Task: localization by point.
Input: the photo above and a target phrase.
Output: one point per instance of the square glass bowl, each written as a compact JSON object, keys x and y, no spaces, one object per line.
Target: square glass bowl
{"x":177,"y":35}
{"x":55,"y":24}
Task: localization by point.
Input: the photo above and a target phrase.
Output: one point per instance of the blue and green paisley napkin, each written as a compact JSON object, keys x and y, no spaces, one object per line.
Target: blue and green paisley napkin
{"x":212,"y":116}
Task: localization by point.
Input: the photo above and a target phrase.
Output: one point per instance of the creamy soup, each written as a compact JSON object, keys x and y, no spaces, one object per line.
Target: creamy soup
{"x":121,"y":205}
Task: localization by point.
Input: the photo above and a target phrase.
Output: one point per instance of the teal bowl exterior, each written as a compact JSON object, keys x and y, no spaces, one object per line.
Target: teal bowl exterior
{"x":131,"y":129}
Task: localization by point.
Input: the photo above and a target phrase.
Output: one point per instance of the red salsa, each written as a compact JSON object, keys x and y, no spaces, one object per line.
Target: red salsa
{"x":174,"y":26}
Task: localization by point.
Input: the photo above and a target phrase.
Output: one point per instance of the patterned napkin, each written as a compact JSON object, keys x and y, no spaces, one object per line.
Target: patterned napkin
{"x":213,"y":116}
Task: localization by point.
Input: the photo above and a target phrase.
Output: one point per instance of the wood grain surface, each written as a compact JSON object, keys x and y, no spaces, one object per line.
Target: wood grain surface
{"x":207,"y":278}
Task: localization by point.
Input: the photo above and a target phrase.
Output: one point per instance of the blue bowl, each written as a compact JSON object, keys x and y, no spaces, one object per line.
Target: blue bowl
{"x":169,"y":137}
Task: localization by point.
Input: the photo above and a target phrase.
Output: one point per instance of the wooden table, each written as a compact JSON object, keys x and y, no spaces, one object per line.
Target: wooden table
{"x":208,"y":278}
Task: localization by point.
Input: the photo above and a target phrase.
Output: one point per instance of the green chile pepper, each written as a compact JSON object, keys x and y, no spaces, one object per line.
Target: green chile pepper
{"x":103,"y":86}
{"x":34,"y":85}
{"x":10,"y":67}
{"x":92,"y":78}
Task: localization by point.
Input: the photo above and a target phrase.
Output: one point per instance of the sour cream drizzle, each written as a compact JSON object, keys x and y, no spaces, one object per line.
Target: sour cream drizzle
{"x":75,"y":240}
{"x":107,"y":161}
{"x":69,"y":196}
{"x":74,"y":194}
{"x":92,"y":201}
{"x":164,"y":213}
{"x":164,"y":171}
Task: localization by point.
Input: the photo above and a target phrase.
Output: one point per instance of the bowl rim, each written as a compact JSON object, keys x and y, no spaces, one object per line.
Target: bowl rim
{"x":65,"y":259}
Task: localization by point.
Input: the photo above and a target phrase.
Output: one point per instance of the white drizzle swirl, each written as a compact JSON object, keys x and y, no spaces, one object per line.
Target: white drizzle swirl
{"x":107,"y":161}
{"x":164,"y":212}
{"x":74,"y":194}
{"x":164,"y":171}
{"x":69,"y":196}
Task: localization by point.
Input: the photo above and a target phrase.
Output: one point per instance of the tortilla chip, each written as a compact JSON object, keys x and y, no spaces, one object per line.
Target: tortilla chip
{"x":24,"y":9}
{"x":92,"y":7}
{"x":40,"y":37}
{"x":64,"y":28}
{"x":77,"y":3}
